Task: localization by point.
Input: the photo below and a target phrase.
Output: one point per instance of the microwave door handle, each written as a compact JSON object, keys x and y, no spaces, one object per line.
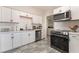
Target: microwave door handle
{"x":70,"y":14}
{"x":65,"y":15}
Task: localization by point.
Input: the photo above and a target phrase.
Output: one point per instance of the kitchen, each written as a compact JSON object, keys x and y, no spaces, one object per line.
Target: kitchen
{"x":30,"y":29}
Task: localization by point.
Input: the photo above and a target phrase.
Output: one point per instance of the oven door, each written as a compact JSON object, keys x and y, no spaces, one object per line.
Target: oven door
{"x":60,"y":43}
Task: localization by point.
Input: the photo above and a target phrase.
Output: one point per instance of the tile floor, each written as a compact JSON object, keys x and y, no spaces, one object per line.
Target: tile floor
{"x":35,"y":47}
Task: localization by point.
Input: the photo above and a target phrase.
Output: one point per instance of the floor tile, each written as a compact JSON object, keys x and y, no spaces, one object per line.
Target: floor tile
{"x":36,"y":47}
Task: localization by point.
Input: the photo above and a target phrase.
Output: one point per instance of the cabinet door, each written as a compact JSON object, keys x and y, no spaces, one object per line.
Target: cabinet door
{"x":17,"y":40}
{"x":37,"y":19}
{"x":5,"y":42}
{"x":24,"y":38}
{"x":32,"y":36}
{"x":15,"y":15}
{"x":23,"y":22}
{"x":0,"y":14}
{"x":28,"y":37}
{"x":74,"y":12}
{"x":74,"y":44}
{"x":6,"y":14}
{"x":50,"y":21}
{"x":29,"y":23}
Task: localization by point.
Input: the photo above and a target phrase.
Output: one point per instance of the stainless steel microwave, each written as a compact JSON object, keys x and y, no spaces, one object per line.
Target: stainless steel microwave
{"x":62,"y":16}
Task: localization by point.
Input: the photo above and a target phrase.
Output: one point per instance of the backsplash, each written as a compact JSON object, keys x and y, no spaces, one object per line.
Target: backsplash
{"x":7,"y":26}
{"x":65,"y":25}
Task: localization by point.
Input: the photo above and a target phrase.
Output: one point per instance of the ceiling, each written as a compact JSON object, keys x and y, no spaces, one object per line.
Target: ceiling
{"x":39,"y":10}
{"x":45,"y":8}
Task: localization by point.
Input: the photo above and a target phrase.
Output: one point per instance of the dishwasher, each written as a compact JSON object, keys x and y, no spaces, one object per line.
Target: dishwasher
{"x":38,"y":35}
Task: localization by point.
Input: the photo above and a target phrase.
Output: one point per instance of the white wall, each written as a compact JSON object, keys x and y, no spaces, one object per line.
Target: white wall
{"x":47,"y":13}
{"x":7,"y":25}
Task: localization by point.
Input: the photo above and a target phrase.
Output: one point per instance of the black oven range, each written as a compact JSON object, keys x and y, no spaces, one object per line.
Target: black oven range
{"x":60,"y":41}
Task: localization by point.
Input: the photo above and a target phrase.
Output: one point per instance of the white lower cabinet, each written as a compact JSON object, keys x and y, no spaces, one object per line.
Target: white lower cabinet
{"x":24,"y":38}
{"x":5,"y":42}
{"x":17,"y":39}
{"x":74,"y":43}
{"x":30,"y":36}
{"x":10,"y":40}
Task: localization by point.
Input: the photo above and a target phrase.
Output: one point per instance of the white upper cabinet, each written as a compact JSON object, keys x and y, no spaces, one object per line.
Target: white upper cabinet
{"x":37,"y":19}
{"x":6,"y":14}
{"x":0,"y":13}
{"x":15,"y":15}
{"x":24,"y":21}
{"x":74,"y":12}
{"x":29,"y":23}
{"x":16,"y":18}
{"x":23,"y":13}
{"x":61,"y":9}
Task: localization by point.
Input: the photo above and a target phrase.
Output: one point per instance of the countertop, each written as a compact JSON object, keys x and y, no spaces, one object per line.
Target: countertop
{"x":62,"y":30}
{"x":65,"y":30}
{"x":22,"y":31}
{"x":69,"y":31}
{"x":17,"y":31}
